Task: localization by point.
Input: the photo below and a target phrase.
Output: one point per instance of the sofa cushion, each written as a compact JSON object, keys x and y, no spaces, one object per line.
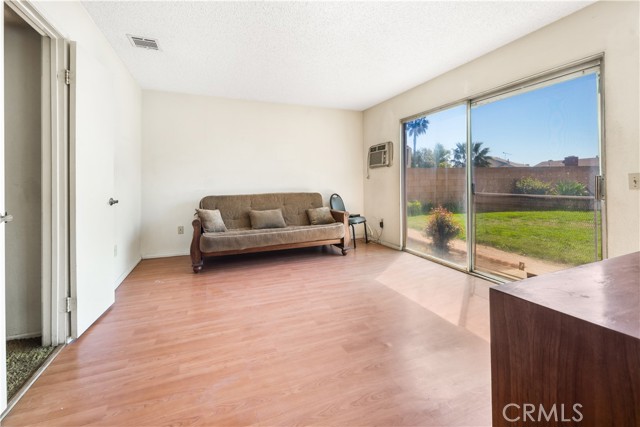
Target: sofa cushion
{"x":240,"y":239}
{"x":320,"y":216}
{"x":211,"y":220}
{"x":271,"y":218}
{"x":235,"y":208}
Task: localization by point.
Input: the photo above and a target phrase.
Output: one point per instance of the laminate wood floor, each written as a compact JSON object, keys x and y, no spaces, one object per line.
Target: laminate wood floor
{"x":302,"y":337}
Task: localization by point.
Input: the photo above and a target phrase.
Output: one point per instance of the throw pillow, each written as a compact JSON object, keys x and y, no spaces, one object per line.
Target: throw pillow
{"x":211,"y":220}
{"x":267,"y":219}
{"x":320,"y":216}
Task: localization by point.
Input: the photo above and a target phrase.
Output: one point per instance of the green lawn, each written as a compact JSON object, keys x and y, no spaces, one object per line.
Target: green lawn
{"x":560,"y":236}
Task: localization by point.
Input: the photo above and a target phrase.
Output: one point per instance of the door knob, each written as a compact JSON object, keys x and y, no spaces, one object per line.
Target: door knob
{"x":112,"y":201}
{"x":6,"y":218}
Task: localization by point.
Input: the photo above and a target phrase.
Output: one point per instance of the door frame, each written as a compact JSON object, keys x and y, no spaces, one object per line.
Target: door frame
{"x":55,"y":175}
{"x":540,"y":79}
{"x":403,"y":190}
{"x":592,"y":64}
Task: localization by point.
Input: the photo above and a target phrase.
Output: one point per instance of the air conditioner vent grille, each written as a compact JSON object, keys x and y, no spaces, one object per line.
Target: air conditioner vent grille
{"x":144,"y":42}
{"x":380,"y":155}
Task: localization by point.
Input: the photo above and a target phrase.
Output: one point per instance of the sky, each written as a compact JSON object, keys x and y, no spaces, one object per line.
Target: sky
{"x":550,"y":123}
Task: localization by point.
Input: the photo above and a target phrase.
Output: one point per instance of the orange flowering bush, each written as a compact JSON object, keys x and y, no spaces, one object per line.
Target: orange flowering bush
{"x":442,"y":227}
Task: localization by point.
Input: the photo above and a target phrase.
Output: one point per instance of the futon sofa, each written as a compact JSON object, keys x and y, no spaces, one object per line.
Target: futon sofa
{"x":235,"y":224}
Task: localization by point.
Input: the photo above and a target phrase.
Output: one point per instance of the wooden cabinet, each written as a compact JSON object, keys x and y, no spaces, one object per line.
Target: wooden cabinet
{"x":565,"y":347}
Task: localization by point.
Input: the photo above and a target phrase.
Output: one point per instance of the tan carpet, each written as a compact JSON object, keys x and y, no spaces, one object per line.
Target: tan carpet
{"x":24,"y":357}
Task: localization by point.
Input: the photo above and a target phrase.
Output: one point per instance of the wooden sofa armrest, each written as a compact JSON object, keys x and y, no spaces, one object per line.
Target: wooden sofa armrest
{"x":340,"y":216}
{"x":196,"y":255}
{"x":343,"y":217}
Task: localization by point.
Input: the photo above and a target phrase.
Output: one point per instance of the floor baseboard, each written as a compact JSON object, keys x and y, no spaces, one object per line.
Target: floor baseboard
{"x":127,"y":272}
{"x":167,"y":255}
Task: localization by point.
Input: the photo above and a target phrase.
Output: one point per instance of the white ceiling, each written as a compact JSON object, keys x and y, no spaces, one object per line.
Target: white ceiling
{"x":349,"y":55}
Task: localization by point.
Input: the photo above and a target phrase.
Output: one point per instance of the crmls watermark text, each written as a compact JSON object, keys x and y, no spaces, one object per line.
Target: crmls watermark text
{"x":537,"y":413}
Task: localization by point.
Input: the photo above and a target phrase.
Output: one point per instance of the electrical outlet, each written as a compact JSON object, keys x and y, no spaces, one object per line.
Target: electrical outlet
{"x":180,"y":229}
{"x":382,"y":223}
{"x":634,"y":181}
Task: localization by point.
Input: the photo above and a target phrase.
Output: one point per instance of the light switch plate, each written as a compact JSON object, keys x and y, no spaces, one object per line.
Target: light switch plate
{"x":634,"y":181}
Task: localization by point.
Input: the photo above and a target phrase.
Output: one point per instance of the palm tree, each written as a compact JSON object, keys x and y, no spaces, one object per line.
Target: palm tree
{"x":480,"y":155}
{"x":416,"y":128}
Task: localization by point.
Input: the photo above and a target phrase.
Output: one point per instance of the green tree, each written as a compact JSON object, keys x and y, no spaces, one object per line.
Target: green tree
{"x":416,"y":128}
{"x":428,"y":158}
{"x":441,"y":156}
{"x":481,"y":159}
{"x":423,"y":158}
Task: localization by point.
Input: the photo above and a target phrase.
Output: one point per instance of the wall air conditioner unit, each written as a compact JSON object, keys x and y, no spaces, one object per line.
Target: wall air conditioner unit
{"x":380,"y":155}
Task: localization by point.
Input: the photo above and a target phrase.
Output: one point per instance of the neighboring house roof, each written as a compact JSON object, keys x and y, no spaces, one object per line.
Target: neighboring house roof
{"x":497,"y":162}
{"x":590,"y":161}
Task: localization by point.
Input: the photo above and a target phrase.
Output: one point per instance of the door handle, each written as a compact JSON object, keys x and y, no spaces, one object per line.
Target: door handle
{"x":112,"y":201}
{"x":599,"y":187}
{"x":6,"y":218}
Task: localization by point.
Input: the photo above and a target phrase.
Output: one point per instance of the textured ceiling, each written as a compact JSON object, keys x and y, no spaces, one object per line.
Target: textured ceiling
{"x":349,"y":55}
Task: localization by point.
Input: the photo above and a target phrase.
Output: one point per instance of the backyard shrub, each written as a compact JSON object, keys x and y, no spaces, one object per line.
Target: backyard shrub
{"x":442,"y":228}
{"x":414,"y":208}
{"x":571,"y":188}
{"x":531,"y":186}
{"x":453,"y":207}
{"x":427,"y":207}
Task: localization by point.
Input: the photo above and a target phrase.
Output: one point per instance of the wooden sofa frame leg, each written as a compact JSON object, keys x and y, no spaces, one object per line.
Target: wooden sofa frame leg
{"x":196,"y":255}
{"x":343,"y":217}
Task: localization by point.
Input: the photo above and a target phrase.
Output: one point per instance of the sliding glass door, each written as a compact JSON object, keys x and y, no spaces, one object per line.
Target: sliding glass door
{"x":535,"y":208}
{"x":532,"y":185}
{"x":435,"y":180}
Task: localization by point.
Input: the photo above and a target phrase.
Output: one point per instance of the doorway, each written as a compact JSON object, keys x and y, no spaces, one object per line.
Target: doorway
{"x":435,"y":184}
{"x":530,"y":199}
{"x":34,"y":190}
{"x":544,"y":212}
{"x":24,"y":199}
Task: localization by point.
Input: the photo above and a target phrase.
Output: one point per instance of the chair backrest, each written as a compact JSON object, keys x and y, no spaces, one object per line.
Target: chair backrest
{"x":336,"y":202}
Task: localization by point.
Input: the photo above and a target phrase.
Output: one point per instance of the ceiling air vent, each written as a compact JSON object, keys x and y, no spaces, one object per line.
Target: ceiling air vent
{"x":144,"y":42}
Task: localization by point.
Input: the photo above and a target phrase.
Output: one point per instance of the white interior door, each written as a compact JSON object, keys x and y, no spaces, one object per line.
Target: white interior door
{"x":92,"y":182}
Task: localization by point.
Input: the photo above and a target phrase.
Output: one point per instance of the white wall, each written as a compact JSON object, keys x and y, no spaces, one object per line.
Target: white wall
{"x":609,"y":27}
{"x":72,"y":20}
{"x":194,"y":146}
{"x":23,"y":188}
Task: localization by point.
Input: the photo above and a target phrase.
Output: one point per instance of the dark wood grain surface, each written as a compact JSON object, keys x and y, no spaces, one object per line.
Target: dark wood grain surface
{"x":568,"y":338}
{"x":605,"y":293}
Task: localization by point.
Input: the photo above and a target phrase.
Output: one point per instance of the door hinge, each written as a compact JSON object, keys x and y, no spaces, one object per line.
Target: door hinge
{"x":67,"y":77}
{"x":70,"y":305}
